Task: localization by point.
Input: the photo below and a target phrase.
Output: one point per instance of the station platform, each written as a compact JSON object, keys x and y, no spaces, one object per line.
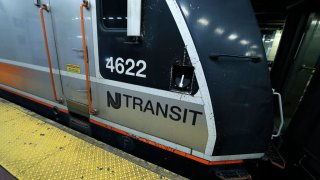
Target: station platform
{"x":33,"y":147}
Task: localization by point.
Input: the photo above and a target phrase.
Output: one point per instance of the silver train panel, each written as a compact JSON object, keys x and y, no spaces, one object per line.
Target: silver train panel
{"x":21,"y":34}
{"x":22,"y":42}
{"x":170,"y":119}
{"x":68,"y":37}
{"x":174,"y":120}
{"x":36,"y":82}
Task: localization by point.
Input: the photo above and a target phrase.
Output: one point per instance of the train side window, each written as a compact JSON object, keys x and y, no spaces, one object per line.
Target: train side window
{"x":114,"y":13}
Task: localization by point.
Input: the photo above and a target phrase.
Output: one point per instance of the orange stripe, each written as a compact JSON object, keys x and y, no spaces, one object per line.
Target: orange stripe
{"x":203,"y":161}
{"x":35,"y":100}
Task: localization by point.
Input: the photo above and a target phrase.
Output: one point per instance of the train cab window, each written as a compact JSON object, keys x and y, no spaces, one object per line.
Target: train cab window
{"x":114,"y":13}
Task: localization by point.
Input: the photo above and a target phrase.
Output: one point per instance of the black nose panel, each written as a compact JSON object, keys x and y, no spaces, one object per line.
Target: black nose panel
{"x":230,"y":48}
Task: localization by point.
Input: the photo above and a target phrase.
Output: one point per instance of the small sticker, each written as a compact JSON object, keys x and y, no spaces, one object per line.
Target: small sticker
{"x":73,"y":68}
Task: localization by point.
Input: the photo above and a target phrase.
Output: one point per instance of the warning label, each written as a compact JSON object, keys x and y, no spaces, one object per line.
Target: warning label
{"x":73,"y":68}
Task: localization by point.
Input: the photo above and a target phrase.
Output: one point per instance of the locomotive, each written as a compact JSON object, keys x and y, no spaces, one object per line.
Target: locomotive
{"x":186,"y":76}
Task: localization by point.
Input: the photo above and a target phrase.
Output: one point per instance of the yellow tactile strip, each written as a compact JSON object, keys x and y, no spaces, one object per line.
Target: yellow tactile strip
{"x":33,"y":149}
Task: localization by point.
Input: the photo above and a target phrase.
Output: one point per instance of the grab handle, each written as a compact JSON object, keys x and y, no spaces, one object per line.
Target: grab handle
{"x":281,"y":113}
{"x":77,"y":50}
{"x":254,"y":59}
{"x":46,"y":8}
{"x":85,"y":4}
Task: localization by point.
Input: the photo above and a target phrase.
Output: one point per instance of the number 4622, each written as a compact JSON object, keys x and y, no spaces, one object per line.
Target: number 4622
{"x":126,"y":66}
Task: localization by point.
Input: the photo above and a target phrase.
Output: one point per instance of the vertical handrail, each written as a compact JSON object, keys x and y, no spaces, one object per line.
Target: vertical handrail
{"x":85,"y":4}
{"x":281,"y":114}
{"x":45,"y":7}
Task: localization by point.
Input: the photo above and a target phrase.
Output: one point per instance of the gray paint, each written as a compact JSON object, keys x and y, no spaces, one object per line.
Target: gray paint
{"x":67,"y":31}
{"x":21,"y":34}
{"x":185,"y":134}
{"x":22,"y":41}
{"x":29,"y":80}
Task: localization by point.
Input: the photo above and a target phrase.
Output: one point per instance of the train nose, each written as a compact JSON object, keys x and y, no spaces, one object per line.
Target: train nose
{"x":235,"y":71}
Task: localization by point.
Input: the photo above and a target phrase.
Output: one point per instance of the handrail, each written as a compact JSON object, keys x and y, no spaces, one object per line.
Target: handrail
{"x":45,"y":7}
{"x":85,"y":4}
{"x":281,"y":113}
{"x":254,"y":59}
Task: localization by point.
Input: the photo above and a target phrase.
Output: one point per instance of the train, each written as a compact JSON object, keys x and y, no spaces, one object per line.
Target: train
{"x":186,"y":76}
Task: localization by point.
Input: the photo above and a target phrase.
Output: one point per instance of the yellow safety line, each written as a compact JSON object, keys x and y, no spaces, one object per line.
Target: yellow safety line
{"x":33,"y":149}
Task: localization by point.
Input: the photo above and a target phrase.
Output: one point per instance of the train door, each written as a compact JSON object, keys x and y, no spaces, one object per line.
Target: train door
{"x":303,"y":66}
{"x":25,"y":56}
{"x":68,"y":36}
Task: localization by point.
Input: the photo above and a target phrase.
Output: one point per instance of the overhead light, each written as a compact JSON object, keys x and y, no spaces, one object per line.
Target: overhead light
{"x":314,"y":22}
{"x":219,"y":31}
{"x":233,"y":37}
{"x":254,"y":46}
{"x":203,"y":21}
{"x":244,"y":42}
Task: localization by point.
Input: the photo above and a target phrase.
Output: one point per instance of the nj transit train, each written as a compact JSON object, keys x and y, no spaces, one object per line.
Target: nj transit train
{"x":187,"y":76}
